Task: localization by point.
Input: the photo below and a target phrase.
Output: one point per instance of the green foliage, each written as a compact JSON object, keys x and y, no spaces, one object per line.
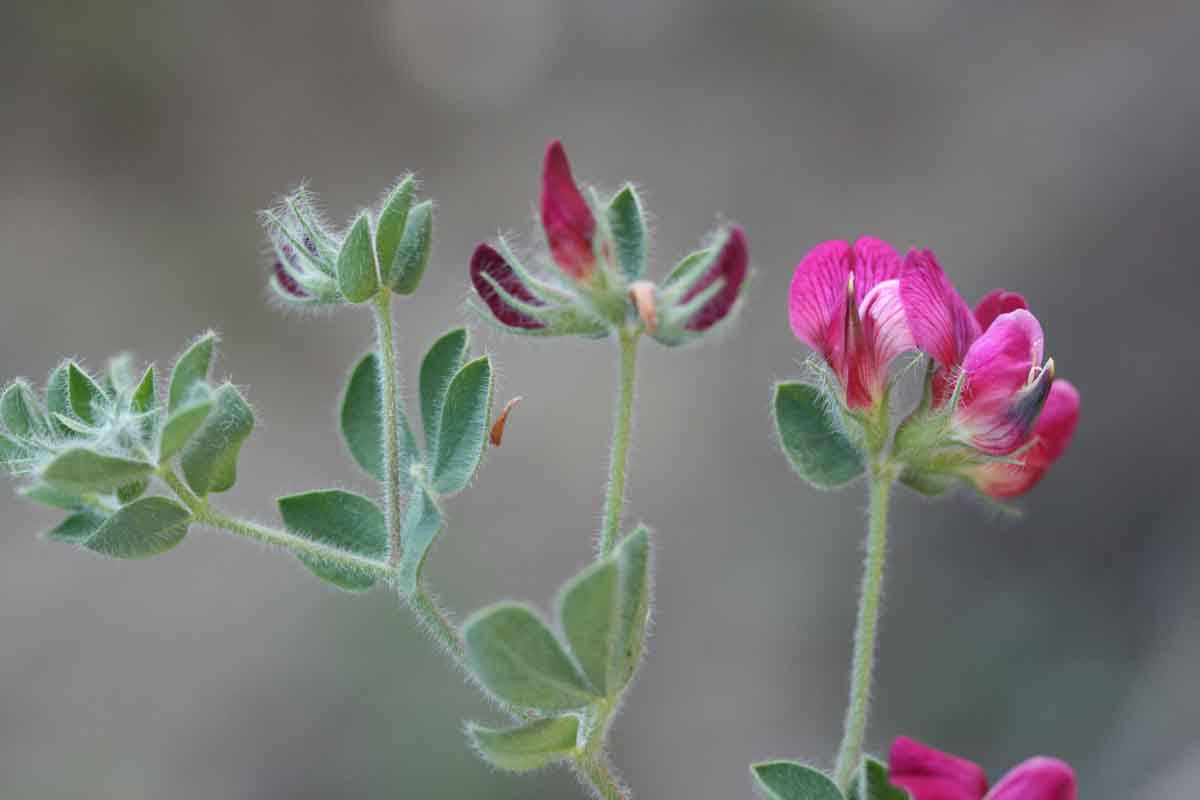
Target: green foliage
{"x":180,"y":427}
{"x":442,"y":361}
{"x":627,"y":223}
{"x":84,"y":395}
{"x":412,"y":255}
{"x":462,"y":431}
{"x":818,"y":450}
{"x":422,"y":523}
{"x":143,"y":397}
{"x":76,"y":528}
{"x":389,"y":229}
{"x":209,"y":460}
{"x":357,"y":278}
{"x":342,"y":520}
{"x":79,"y":470}
{"x":51,"y":497}
{"x":362,"y":423}
{"x":58,"y":399}
{"x":527,"y":747}
{"x":191,"y":368}
{"x":520,"y":661}
{"x":688,"y":267}
{"x":132,"y":491}
{"x":604,"y":611}
{"x":871,"y":783}
{"x":143,"y":528}
{"x":21,"y":411}
{"x":789,"y":780}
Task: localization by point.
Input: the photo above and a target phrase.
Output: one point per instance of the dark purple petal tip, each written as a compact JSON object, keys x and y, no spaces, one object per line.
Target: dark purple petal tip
{"x":731,"y":263}
{"x":486,"y":260}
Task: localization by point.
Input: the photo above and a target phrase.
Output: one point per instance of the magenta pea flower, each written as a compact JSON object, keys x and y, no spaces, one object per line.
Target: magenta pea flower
{"x":929,"y":774}
{"x":566,"y":217}
{"x":596,"y":286}
{"x":992,"y":358}
{"x":845,"y":303}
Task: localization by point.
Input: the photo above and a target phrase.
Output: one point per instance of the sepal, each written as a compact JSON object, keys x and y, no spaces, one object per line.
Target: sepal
{"x":813,"y":436}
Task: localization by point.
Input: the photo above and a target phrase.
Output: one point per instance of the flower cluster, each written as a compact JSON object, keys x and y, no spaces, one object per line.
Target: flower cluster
{"x":598,"y":252}
{"x":992,"y":411}
{"x":929,"y":774}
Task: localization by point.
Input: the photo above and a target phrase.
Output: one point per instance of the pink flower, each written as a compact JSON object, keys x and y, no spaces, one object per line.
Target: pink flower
{"x":487,"y":261}
{"x":730,"y":263}
{"x":566,"y":217}
{"x":845,"y":303}
{"x":1050,"y":438}
{"x":930,"y":774}
{"x":995,"y":351}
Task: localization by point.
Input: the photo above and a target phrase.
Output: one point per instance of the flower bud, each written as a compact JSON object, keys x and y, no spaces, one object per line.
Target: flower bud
{"x":566,"y":217}
{"x":703,"y":290}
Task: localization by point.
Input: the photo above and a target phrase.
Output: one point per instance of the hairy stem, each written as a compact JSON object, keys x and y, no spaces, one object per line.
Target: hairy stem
{"x":866,"y":630}
{"x":437,"y":622}
{"x":207,"y":515}
{"x":390,"y":398}
{"x":614,"y":501}
{"x":595,"y":772}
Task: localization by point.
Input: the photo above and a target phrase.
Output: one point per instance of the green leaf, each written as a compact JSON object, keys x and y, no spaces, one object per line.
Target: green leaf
{"x":132,"y":491}
{"x":412,"y":256}
{"x":76,"y":528}
{"x":21,"y":411}
{"x":209,"y":460}
{"x":190,"y":369}
{"x":528,"y":747}
{"x":180,"y":426}
{"x":339,"y":519}
{"x":817,"y":449}
{"x":51,"y":497}
{"x":84,"y":393}
{"x":143,"y":396}
{"x":633,"y":556}
{"x":81,"y":470}
{"x":871,"y":783}
{"x":422,"y":523}
{"x":143,"y":528}
{"x":627,"y":223}
{"x":588,"y":610}
{"x":356,"y":263}
{"x":788,"y":780}
{"x":518,"y":659}
{"x":443,"y":359}
{"x":688,"y":265}
{"x":389,"y":230}
{"x":118,"y":377}
{"x":462,"y":432}
{"x":362,"y":424}
{"x":58,"y":399}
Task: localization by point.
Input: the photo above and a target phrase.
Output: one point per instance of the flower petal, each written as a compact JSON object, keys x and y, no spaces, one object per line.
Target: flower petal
{"x":1003,"y":390}
{"x":817,"y":299}
{"x":731,"y":264}
{"x":487,"y":261}
{"x":930,"y":774}
{"x":1053,"y":431}
{"x":1039,"y":778}
{"x":875,"y":261}
{"x":942,"y":324}
{"x":996,"y":303}
{"x":566,"y":216}
{"x":883,"y":336}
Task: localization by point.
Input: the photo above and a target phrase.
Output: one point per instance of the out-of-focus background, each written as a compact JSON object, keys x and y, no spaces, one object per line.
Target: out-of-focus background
{"x":1048,"y":148}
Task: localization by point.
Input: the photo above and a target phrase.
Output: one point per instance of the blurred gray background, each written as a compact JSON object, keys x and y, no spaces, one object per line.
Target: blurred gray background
{"x":1048,"y":148}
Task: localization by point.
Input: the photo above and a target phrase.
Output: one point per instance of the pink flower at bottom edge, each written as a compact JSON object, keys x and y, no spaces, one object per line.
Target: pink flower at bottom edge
{"x":929,"y":774}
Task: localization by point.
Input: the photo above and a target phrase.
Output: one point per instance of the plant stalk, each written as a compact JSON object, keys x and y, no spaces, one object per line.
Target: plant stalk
{"x":614,"y":501}
{"x":596,"y":773}
{"x":390,"y":399}
{"x":866,"y":631}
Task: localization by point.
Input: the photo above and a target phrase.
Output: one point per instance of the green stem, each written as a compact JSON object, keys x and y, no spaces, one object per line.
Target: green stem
{"x":437,"y":622}
{"x":206,"y":515}
{"x":614,"y":501}
{"x":866,"y":631}
{"x":597,"y":774}
{"x":390,"y":399}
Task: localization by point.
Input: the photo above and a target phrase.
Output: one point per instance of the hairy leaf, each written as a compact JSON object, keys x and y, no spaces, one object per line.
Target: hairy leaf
{"x":180,"y":426}
{"x":390,"y":228}
{"x":412,"y":255}
{"x":81,"y":470}
{"x":871,"y":783}
{"x":143,"y":528}
{"x":789,"y":780}
{"x":531,"y":746}
{"x":627,"y":222}
{"x":191,"y":368}
{"x":209,"y":459}
{"x":462,"y":432}
{"x":817,"y":449}
{"x":363,"y":428}
{"x":422,"y":523}
{"x":339,"y":519}
{"x":443,"y":359}
{"x":76,"y":528}
{"x":85,"y":395}
{"x":356,"y":263}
